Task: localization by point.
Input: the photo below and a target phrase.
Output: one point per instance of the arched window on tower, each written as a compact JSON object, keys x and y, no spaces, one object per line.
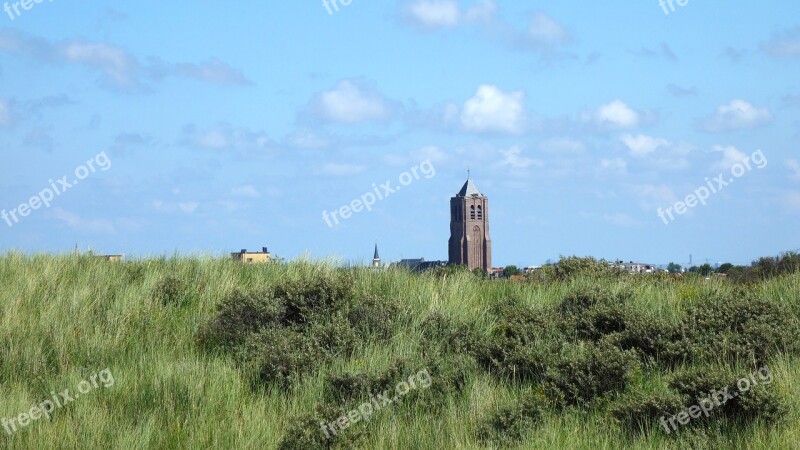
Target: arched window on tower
{"x":480,"y":212}
{"x":472,"y":212}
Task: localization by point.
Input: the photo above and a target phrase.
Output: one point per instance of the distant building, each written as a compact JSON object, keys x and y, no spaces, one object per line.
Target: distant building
{"x":417,"y":265}
{"x":635,"y":267}
{"x":110,"y":258}
{"x":376,"y":258}
{"x":252,"y":257}
{"x":470,"y":244}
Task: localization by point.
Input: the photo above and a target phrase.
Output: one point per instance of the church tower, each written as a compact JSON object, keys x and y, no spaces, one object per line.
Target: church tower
{"x":470,"y":243}
{"x":376,"y":258}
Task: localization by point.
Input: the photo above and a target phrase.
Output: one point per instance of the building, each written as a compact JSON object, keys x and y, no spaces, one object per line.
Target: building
{"x":376,"y":258}
{"x":636,"y":267}
{"x":417,"y":265}
{"x":110,"y":258}
{"x":252,"y":257}
{"x":469,"y":243}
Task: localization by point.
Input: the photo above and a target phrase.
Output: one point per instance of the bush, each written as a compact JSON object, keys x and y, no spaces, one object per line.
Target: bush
{"x":573,"y":266}
{"x":639,"y":411}
{"x":170,"y":290}
{"x":509,"y":424}
{"x":739,"y":407}
{"x":442,"y":334}
{"x":375,"y":316}
{"x":522,"y":343}
{"x":655,"y":340}
{"x":283,"y":355}
{"x":739,"y":328}
{"x":587,"y":372}
{"x":240,"y":315}
{"x":314,"y":296}
{"x":307,"y":433}
{"x":593,"y":313}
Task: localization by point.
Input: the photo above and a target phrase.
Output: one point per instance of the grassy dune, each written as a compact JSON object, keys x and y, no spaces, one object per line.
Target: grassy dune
{"x":64,"y":319}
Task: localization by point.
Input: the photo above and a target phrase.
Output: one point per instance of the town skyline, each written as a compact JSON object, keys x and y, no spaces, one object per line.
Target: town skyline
{"x":241,"y":132}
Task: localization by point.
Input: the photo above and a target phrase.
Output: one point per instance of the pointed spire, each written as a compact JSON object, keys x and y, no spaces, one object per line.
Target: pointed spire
{"x":469,"y":190}
{"x":377,"y":256}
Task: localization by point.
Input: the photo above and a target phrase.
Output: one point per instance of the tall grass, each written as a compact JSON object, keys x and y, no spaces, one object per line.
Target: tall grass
{"x":63,"y":318}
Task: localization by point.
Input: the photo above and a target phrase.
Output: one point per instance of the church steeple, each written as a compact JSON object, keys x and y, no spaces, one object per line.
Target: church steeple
{"x":376,"y":258}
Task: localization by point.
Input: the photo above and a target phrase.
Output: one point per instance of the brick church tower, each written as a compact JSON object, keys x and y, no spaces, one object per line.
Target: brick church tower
{"x":470,"y":243}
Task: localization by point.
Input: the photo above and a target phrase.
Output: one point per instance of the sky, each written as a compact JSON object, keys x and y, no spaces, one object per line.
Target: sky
{"x":614,"y":129}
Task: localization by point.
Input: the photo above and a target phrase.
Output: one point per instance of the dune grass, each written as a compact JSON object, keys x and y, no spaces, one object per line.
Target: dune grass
{"x":65,"y":318}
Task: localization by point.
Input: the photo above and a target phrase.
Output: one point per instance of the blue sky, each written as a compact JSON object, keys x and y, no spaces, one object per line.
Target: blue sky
{"x":228,"y":127}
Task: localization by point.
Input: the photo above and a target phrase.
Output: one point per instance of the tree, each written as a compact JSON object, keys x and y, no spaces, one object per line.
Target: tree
{"x":674,"y":268}
{"x":705,"y":270}
{"x":510,"y":271}
{"x":725,"y":268}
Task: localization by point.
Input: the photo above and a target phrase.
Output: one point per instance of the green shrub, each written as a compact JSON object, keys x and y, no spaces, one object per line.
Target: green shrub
{"x":740,"y":407}
{"x":509,"y":424}
{"x":314,"y":296}
{"x":739,"y":328}
{"x":375,"y":316}
{"x":311,"y":432}
{"x":639,"y":411}
{"x":282,"y":355}
{"x":589,"y":371}
{"x":441,"y":333}
{"x":573,"y":266}
{"x":171,"y":290}
{"x":522,"y":343}
{"x":240,"y":315}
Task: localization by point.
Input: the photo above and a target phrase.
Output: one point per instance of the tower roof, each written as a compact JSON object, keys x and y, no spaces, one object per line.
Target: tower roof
{"x":377,"y":256}
{"x":469,"y":190}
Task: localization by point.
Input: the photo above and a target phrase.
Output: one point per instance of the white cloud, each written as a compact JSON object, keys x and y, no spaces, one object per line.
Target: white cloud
{"x":248,"y":191}
{"x":482,"y":11}
{"x":116,"y":63}
{"x":435,"y":13}
{"x":492,"y":110}
{"x":5,"y":114}
{"x":641,"y":145}
{"x":340,"y":170}
{"x":544,"y":30}
{"x":76,"y":222}
{"x":730,"y":157}
{"x":792,"y":201}
{"x":615,"y":166}
{"x":432,"y":14}
{"x":617,"y":115}
{"x":785,"y":45}
{"x":224,"y":137}
{"x":513,"y":158}
{"x":562,"y":146}
{"x":736,"y":115}
{"x":119,"y":67}
{"x":350,"y":102}
{"x":169,"y":208}
{"x":188,"y":207}
{"x":214,"y":71}
{"x":794,"y":166}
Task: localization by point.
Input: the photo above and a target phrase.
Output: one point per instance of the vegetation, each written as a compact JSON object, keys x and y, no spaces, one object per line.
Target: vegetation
{"x":217,"y":354}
